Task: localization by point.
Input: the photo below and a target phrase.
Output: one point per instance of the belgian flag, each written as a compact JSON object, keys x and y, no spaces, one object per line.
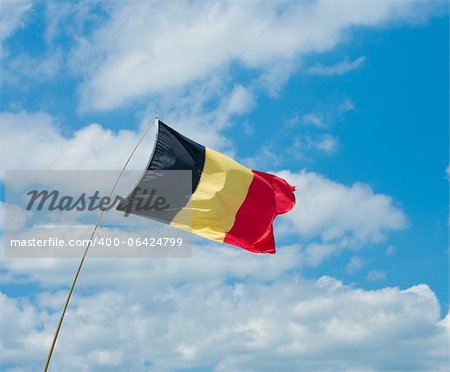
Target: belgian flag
{"x":229,"y":202}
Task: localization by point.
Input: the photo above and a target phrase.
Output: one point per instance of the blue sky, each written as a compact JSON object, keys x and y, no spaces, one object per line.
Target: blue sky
{"x":349,"y":101}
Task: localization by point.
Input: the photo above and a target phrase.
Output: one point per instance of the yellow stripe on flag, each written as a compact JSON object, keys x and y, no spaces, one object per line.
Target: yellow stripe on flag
{"x":222,"y":189}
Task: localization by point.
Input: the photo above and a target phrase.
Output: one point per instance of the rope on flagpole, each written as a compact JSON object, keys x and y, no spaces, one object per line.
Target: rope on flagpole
{"x":83,"y":258}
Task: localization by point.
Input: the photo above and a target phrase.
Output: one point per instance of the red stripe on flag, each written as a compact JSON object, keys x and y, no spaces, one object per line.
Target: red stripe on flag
{"x":267,"y":197}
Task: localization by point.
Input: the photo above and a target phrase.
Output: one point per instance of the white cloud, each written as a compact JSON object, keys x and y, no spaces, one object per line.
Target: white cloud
{"x":327,"y":144}
{"x":24,"y":68}
{"x":346,"y":105}
{"x":354,"y":264}
{"x":339,"y":213}
{"x":69,"y":18}
{"x":265,"y":155}
{"x":211,"y":262}
{"x":315,"y":253}
{"x":325,"y":116}
{"x":376,"y":275}
{"x":34,"y":141}
{"x":307,"y":145}
{"x":241,"y":100}
{"x":289,"y":324}
{"x":275,"y":76}
{"x":182,"y":43}
{"x":16,"y":215}
{"x":390,"y":251}
{"x":339,"y":68}
{"x":313,"y":119}
{"x":190,"y":110}
{"x":12,"y":13}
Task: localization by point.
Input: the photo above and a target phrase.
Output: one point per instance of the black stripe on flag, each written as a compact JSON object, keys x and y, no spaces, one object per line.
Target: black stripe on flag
{"x":174,"y":151}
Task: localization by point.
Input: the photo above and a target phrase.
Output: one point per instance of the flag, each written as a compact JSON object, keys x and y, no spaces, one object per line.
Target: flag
{"x":228,"y":202}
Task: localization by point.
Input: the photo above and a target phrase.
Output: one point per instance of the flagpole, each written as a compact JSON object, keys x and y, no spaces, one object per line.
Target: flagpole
{"x":83,"y":258}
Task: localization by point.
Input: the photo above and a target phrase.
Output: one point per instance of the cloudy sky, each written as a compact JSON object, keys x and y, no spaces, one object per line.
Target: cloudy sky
{"x":348,"y":100}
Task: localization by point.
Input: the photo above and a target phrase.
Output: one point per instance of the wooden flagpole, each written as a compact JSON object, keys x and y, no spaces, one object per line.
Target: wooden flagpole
{"x":83,"y":258}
